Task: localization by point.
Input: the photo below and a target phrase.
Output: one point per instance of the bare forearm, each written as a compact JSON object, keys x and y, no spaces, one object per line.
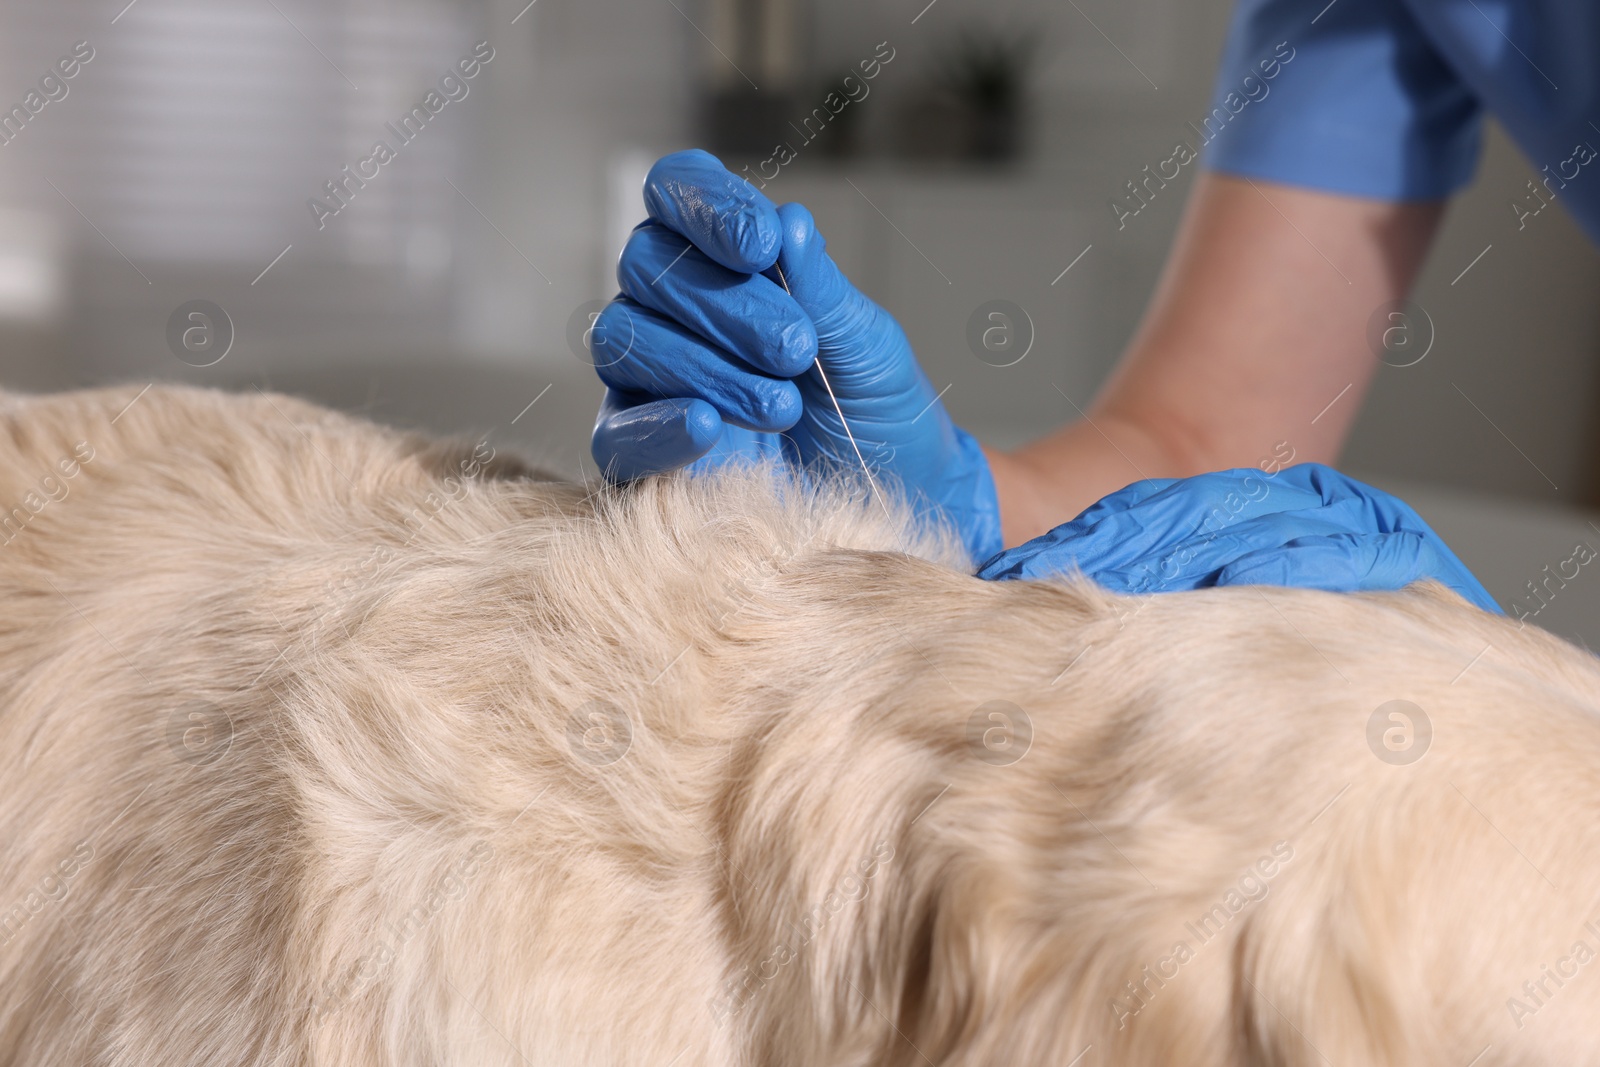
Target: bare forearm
{"x":1254,"y":344}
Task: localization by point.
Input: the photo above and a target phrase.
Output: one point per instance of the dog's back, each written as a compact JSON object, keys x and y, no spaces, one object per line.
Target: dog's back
{"x":325,"y":744}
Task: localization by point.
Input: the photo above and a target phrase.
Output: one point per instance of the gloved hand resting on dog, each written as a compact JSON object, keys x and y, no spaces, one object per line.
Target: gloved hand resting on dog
{"x":1306,"y":525}
{"x":717,"y":367}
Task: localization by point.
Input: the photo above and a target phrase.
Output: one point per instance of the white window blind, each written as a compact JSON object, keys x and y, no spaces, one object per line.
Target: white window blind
{"x":200,"y":128}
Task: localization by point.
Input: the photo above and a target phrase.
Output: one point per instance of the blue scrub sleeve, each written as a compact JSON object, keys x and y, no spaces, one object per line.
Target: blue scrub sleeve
{"x":1356,"y":102}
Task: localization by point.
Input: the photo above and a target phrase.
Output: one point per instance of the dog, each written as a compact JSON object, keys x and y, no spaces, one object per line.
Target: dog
{"x":323,"y":743}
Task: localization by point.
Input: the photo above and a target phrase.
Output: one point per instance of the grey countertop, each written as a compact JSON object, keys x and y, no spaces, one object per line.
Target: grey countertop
{"x":1510,"y":543}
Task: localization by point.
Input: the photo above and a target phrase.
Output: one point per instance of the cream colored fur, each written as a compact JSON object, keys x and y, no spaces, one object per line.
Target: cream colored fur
{"x":306,"y":759}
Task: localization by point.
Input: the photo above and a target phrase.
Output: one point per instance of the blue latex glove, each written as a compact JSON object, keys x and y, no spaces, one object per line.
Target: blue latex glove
{"x":1308,"y":525}
{"x":712,"y":359}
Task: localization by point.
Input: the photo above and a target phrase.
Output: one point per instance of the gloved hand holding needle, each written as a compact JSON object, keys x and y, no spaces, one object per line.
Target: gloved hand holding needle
{"x":719,"y":361}
{"x":728,"y":300}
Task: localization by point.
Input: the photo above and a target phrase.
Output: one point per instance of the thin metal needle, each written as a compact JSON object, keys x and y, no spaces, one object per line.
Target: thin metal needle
{"x":817,"y":364}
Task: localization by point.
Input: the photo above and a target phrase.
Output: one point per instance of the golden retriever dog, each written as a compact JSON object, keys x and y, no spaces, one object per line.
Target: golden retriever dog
{"x":324,"y":744}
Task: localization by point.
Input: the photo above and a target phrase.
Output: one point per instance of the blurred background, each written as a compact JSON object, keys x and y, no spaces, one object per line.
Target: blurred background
{"x":217,"y":158}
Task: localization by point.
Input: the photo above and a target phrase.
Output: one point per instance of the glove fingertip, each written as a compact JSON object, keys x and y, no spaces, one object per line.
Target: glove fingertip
{"x":720,"y":212}
{"x":802,"y":242}
{"x":796,"y":349}
{"x":701,"y":424}
{"x":654,"y":438}
{"x":755,"y":235}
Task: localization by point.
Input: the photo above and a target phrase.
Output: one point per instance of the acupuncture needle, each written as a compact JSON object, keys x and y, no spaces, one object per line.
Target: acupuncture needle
{"x":817,"y":366}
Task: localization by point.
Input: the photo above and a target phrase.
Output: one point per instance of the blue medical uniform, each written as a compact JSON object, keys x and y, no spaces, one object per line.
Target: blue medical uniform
{"x":1386,"y":98}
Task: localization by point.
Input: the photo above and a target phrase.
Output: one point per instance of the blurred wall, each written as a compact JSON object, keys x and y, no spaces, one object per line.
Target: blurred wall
{"x":182,"y":161}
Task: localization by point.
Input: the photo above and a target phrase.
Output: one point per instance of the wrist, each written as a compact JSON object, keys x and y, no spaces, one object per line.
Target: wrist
{"x":1052,"y":480}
